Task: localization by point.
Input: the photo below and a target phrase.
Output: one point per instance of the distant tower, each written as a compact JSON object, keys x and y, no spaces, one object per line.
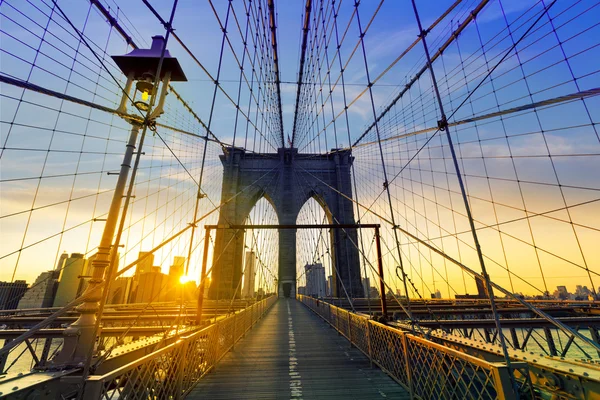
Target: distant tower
{"x":119,"y":290}
{"x":11,"y":293}
{"x":68,"y":284}
{"x":315,"y":280}
{"x":249,"y":274}
{"x":61,"y":261}
{"x":366,"y":282}
{"x":176,"y":271}
{"x":144,"y":265}
{"x":42,"y":291}
{"x":150,"y":287}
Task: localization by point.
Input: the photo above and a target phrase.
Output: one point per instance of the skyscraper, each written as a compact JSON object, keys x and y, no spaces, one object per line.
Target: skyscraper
{"x":42,"y":291}
{"x":11,"y":293}
{"x":315,"y":280}
{"x":249,"y":274}
{"x":173,"y":289}
{"x":119,"y":290}
{"x":61,"y":261}
{"x":366,"y":282}
{"x":69,"y":281}
{"x":146,"y":264}
{"x":150,"y":286}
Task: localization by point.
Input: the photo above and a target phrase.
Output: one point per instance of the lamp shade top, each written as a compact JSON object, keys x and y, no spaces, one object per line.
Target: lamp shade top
{"x":141,"y":61}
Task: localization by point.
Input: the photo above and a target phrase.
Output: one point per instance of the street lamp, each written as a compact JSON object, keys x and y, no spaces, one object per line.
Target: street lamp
{"x":140,"y":66}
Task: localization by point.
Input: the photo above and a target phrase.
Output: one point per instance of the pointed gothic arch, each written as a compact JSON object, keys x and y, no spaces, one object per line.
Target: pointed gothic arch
{"x":287,"y":179}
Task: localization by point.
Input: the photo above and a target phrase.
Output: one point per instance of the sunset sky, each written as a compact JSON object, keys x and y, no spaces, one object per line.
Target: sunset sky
{"x":531,"y":176}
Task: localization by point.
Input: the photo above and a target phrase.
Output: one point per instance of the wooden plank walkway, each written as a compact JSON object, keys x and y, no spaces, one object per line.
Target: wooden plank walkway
{"x":293,"y":354}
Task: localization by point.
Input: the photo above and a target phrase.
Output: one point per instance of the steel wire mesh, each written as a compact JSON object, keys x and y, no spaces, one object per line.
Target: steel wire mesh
{"x":172,"y":371}
{"x":429,"y":370}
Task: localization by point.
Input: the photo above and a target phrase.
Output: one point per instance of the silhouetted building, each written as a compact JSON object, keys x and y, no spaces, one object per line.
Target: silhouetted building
{"x":315,"y":280}
{"x":146,"y":264}
{"x":366,"y":282}
{"x":249,"y":273}
{"x":330,"y":286}
{"x":301,"y":290}
{"x":173,"y":287}
{"x":373,"y":293}
{"x":69,"y":282}
{"x":150,"y":286}
{"x":582,"y":292}
{"x":61,"y":261}
{"x":42,"y":292}
{"x":119,"y":290}
{"x":11,"y":293}
{"x":563,"y":293}
{"x":86,"y":275}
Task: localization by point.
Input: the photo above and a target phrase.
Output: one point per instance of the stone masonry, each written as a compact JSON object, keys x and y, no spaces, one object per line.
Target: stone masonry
{"x":287,"y":179}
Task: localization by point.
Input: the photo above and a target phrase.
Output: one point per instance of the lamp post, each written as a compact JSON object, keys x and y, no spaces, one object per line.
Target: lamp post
{"x":141,"y":67}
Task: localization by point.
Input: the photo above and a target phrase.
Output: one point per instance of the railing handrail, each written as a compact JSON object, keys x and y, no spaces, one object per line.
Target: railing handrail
{"x":94,"y":380}
{"x":412,"y":378}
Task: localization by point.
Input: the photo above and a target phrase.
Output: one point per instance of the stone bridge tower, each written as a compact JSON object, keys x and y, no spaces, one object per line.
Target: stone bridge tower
{"x":287,"y":179}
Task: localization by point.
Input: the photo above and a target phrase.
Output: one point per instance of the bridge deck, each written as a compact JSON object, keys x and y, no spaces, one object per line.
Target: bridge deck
{"x":292,"y":353}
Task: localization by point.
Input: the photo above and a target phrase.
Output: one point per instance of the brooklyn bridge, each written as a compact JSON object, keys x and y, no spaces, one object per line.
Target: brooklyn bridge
{"x":261,"y":199}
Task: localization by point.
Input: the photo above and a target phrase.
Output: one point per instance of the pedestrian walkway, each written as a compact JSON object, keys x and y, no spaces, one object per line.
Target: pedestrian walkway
{"x":293,"y":354}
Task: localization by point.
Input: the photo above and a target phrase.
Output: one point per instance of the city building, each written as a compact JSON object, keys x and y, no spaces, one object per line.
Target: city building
{"x":69,"y":281}
{"x":173,"y":287}
{"x":61,"y":261}
{"x":119,"y":290}
{"x":42,"y":292}
{"x":301,"y":290}
{"x":249,"y":275}
{"x":315,"y":280}
{"x":330,"y":286}
{"x":86,"y":275}
{"x":582,"y":292}
{"x":150,"y":286}
{"x":11,"y":293}
{"x":562,"y":293}
{"x":146,"y":264}
{"x":373,"y":292}
{"x":366,"y":283}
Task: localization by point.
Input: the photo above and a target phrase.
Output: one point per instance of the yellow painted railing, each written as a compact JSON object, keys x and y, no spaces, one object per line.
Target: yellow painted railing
{"x":172,"y":371}
{"x":427,"y":369}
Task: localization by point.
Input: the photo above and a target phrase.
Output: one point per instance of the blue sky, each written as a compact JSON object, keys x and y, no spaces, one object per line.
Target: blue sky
{"x":566,"y":128}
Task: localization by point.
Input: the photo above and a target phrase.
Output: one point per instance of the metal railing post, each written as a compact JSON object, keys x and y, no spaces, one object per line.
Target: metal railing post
{"x":369,"y":343}
{"x":349,"y":329}
{"x":503,"y":381}
{"x":234,"y":336}
{"x":92,"y":388}
{"x":181,"y":369}
{"x":406,"y":352}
